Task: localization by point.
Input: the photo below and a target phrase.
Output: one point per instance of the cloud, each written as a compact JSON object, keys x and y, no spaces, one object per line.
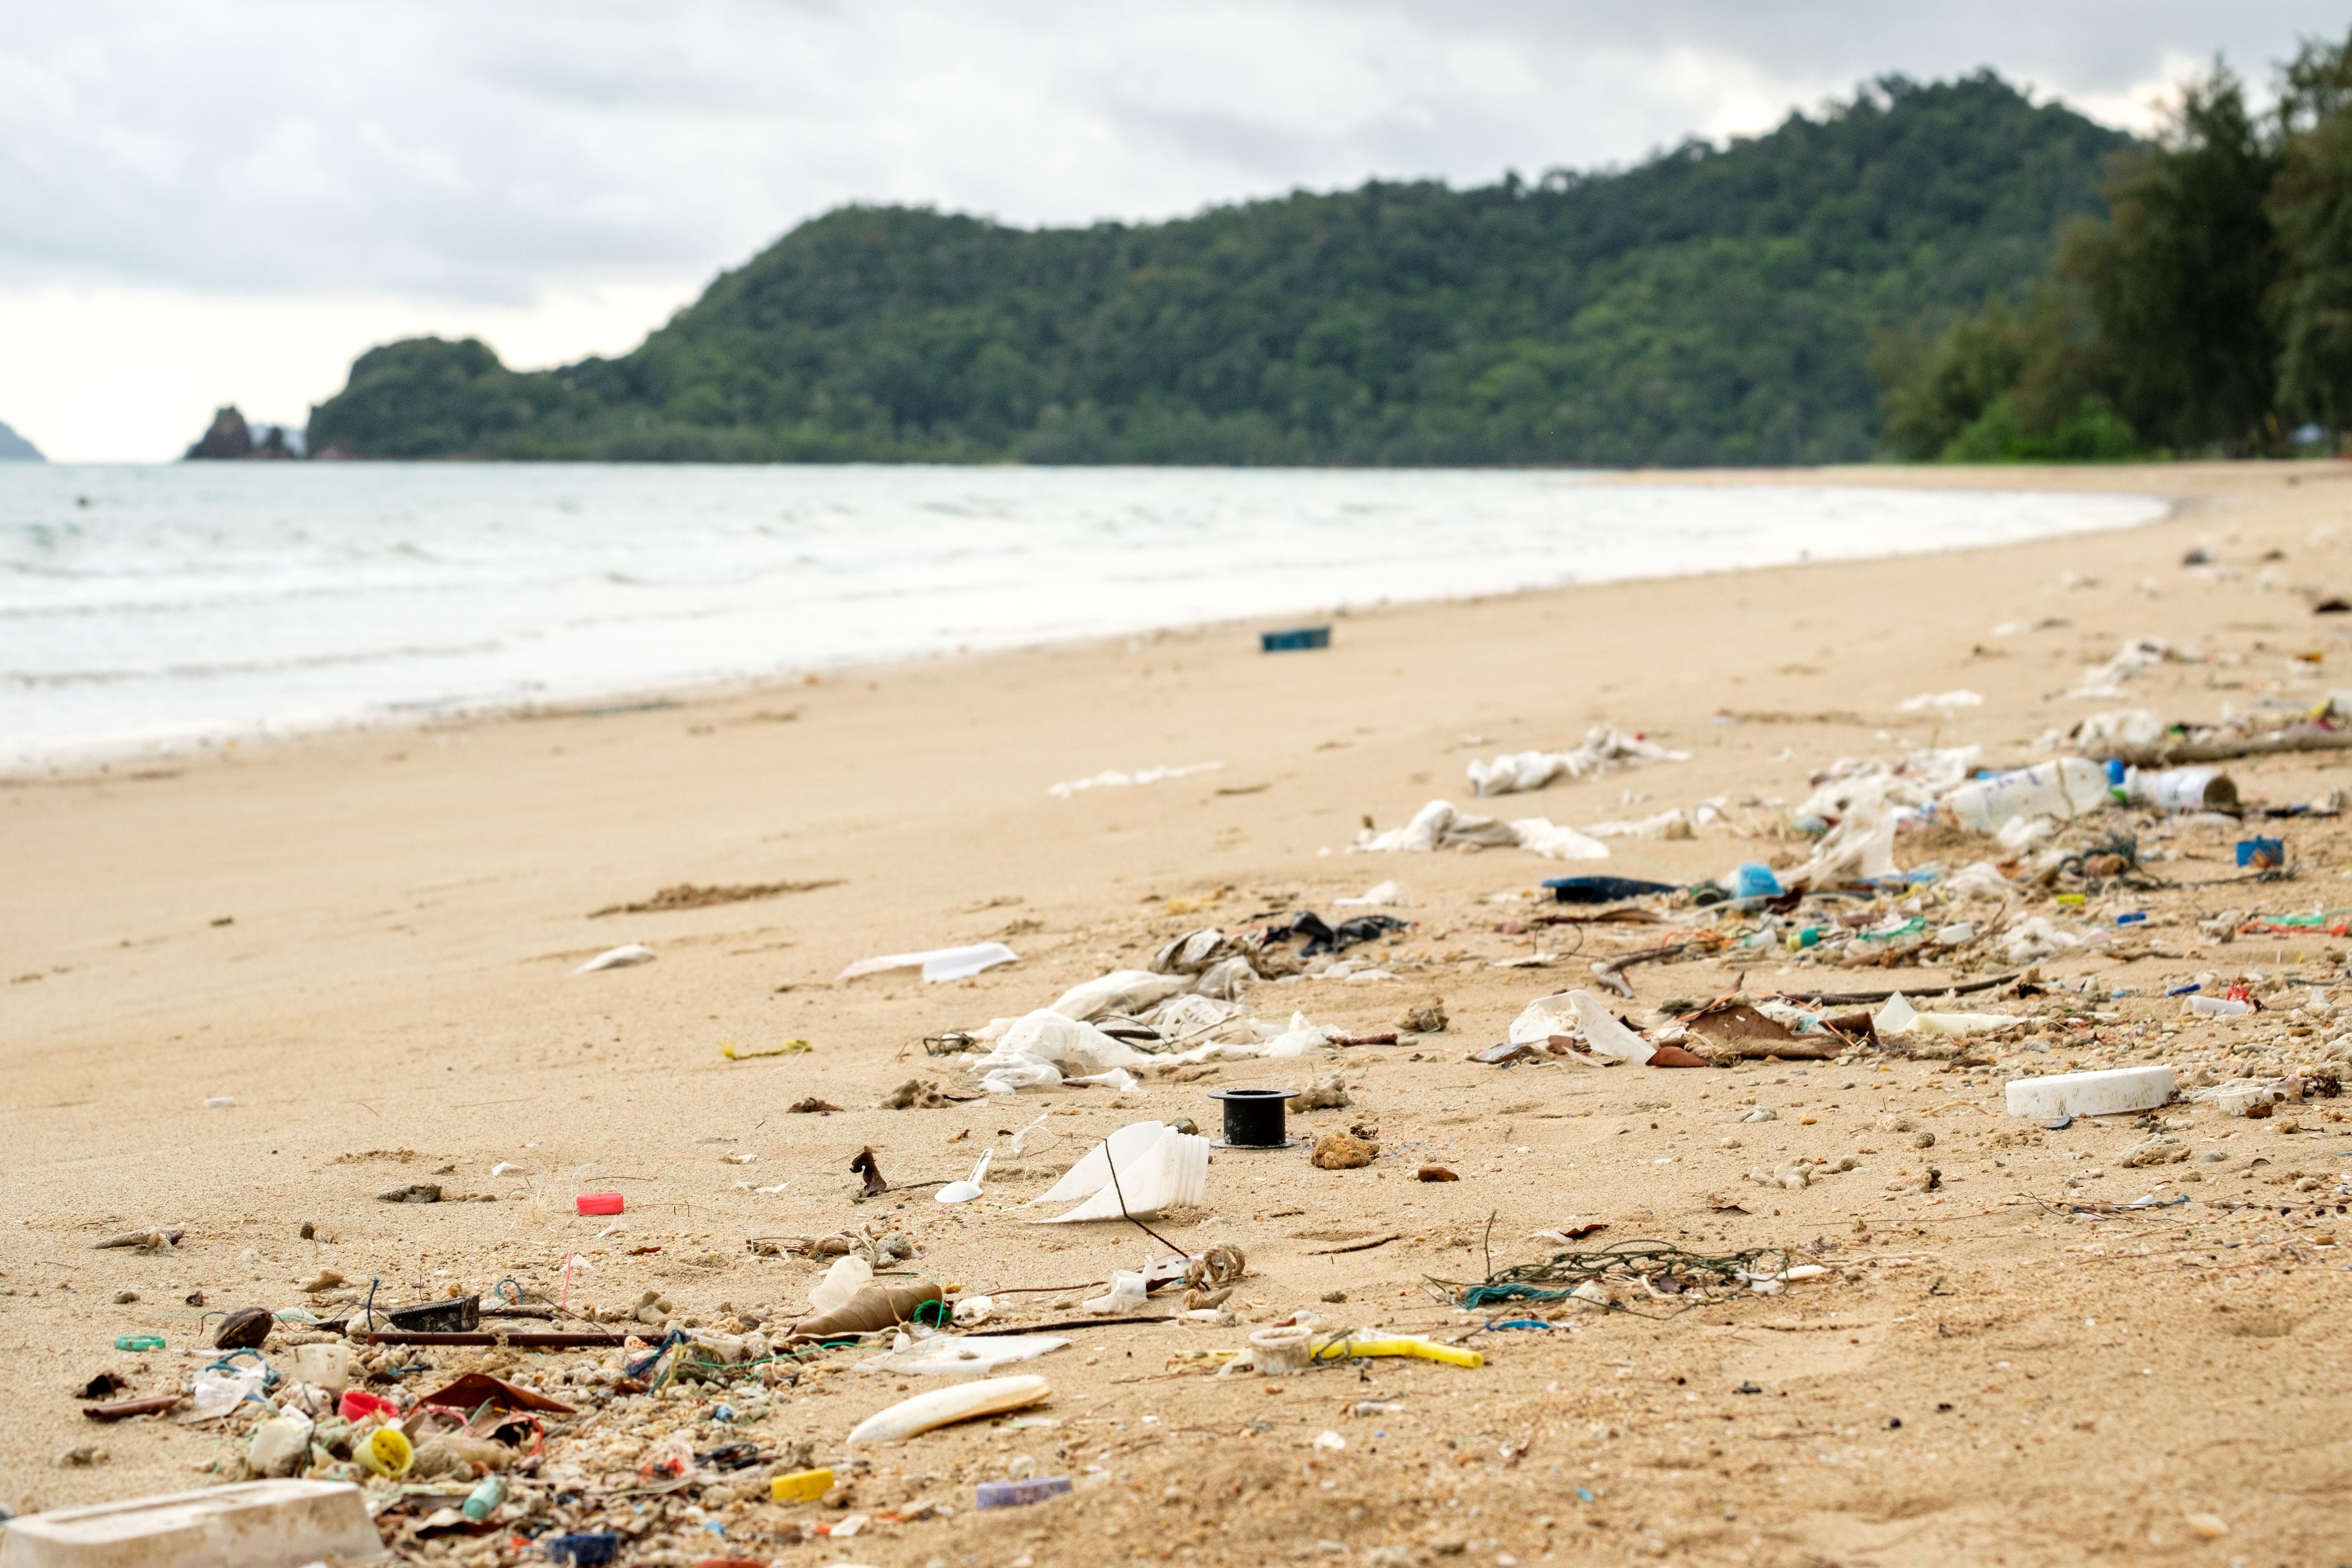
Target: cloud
{"x":558,"y":176}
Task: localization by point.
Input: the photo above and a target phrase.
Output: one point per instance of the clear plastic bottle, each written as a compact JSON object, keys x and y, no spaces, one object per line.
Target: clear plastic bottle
{"x":2063,"y":789}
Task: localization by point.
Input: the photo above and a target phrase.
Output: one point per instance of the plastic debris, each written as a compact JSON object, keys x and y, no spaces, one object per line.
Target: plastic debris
{"x":1111,"y":778}
{"x":1441,"y":825}
{"x":1603,"y":750}
{"x":941,"y":963}
{"x":1940,"y":701}
{"x":875,"y":1307}
{"x":959,"y":1355}
{"x":267,"y":1523}
{"x":1126,"y":1294}
{"x":620,"y":957}
{"x":1897,"y":1017}
{"x":1020,"y":1493}
{"x":2062,"y":790}
{"x":1140,"y":1170}
{"x":801,"y":1485}
{"x":964,"y":1192}
{"x":840,"y":1284}
{"x":2105,"y":1093}
{"x":1283,"y":1350}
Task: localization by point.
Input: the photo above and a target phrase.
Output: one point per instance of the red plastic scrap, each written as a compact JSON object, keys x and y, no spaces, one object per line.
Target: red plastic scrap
{"x":475,"y":1389}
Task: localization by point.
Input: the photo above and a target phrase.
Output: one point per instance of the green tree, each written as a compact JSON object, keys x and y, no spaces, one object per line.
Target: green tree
{"x":2311,"y":205}
{"x":2179,"y":277}
{"x":1714,"y":304}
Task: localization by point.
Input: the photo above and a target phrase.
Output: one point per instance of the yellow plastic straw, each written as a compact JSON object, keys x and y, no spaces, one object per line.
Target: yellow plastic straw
{"x":789,"y":1049}
{"x":1420,"y":1349}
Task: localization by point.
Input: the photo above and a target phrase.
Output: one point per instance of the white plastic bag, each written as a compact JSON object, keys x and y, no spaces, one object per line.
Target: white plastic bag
{"x":1067,"y":1043}
{"x":1603,"y":1035}
{"x":1224,"y":979}
{"x":844,"y":1280}
{"x":217,"y":1390}
{"x":1553,"y":842}
{"x":1015,"y":1076}
{"x":1125,"y":991}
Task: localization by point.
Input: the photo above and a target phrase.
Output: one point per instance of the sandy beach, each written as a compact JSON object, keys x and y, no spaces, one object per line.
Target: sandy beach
{"x":367,"y":941}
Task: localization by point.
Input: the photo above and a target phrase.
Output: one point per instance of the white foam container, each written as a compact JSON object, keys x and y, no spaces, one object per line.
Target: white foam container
{"x":2108,"y":1093}
{"x":258,"y":1524}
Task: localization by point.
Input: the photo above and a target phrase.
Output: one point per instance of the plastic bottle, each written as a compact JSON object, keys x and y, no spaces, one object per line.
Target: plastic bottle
{"x":484,"y":1499}
{"x":2063,"y":789}
{"x":2182,"y":789}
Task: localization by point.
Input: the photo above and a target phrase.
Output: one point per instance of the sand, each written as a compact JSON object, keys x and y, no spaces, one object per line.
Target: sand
{"x":367,"y":939}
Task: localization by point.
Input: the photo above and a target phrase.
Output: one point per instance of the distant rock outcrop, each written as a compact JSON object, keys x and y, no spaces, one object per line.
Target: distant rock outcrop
{"x":14,"y":448}
{"x":231,"y":436}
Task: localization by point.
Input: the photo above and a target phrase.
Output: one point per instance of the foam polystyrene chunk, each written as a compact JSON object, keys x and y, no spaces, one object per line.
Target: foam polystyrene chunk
{"x":258,"y":1524}
{"x":2107,"y":1093}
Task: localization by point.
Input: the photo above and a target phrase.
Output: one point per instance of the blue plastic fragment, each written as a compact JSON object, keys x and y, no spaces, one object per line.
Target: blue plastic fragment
{"x":1293,"y":638}
{"x":2135,"y":917}
{"x":2184,"y":990}
{"x":2261,"y":854}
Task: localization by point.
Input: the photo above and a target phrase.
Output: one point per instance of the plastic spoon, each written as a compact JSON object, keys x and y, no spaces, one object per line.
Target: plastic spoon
{"x":964,"y":1192}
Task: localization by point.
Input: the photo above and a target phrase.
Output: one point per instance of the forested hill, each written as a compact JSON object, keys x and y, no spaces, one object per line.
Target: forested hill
{"x":1710,"y":306}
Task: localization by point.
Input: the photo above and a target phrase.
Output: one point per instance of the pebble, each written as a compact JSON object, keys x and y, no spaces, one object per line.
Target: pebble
{"x":124,"y":1298}
{"x":1762,"y":1113}
{"x":1341,"y":1152}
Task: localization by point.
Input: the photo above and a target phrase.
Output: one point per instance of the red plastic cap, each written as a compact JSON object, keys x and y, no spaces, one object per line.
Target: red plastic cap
{"x":356,"y":1405}
{"x":599,"y":1203}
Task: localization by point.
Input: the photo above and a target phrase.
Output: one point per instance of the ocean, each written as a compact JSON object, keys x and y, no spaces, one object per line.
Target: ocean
{"x":146,"y":610}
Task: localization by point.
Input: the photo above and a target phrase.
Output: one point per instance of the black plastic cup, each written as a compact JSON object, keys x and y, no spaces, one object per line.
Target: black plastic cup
{"x":1255,"y":1118}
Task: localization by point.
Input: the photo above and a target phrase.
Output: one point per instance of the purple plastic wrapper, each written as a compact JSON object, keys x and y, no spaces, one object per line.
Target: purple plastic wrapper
{"x":1017,"y":1494}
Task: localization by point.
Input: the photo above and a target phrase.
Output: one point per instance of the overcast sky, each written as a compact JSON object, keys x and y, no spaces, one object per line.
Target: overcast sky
{"x":203,"y":203}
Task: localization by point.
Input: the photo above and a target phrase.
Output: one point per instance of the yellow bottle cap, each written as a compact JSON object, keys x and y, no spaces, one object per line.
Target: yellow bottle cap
{"x":387,"y":1452}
